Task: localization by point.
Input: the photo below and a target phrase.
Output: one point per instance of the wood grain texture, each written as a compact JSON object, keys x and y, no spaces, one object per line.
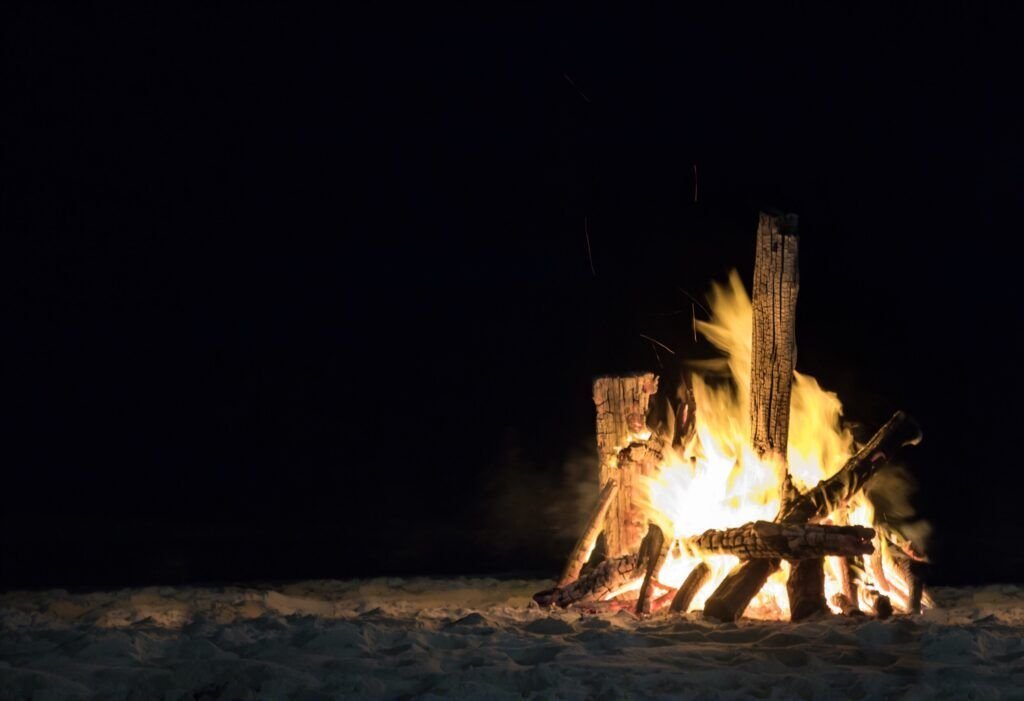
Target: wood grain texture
{"x":622,"y":405}
{"x":597,"y":585}
{"x":737,"y":590}
{"x":787,"y":541}
{"x":773,"y":345}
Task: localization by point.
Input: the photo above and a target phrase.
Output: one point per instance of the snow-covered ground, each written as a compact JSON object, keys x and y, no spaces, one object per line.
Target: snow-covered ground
{"x":482,"y":639}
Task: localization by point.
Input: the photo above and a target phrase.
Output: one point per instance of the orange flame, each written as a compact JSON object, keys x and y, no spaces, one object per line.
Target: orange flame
{"x":717,"y":481}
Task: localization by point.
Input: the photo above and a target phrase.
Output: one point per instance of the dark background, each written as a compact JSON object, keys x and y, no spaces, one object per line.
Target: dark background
{"x":306,"y":293}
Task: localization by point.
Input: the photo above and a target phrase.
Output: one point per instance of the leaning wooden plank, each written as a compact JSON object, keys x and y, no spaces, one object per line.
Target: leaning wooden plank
{"x":840,"y":488}
{"x":653,"y":551}
{"x":581,"y":552}
{"x":737,"y":590}
{"x":695,"y":581}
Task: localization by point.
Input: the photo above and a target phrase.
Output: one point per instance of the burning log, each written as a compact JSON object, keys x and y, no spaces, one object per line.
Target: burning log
{"x":665,"y":599}
{"x":585,"y":544}
{"x":806,"y":589}
{"x":695,"y":581}
{"x":764,"y":539}
{"x":622,"y":404}
{"x":734,"y":594}
{"x":840,"y":488}
{"x":773,"y":360}
{"x":844,"y":566}
{"x":653,"y":550}
{"x":602,"y":582}
{"x":637,"y":460}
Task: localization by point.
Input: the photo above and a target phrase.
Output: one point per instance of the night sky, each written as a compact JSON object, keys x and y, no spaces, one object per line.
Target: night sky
{"x":304,"y":293}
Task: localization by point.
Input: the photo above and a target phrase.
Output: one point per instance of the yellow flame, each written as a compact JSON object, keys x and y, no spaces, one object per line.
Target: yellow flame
{"x":717,"y":480}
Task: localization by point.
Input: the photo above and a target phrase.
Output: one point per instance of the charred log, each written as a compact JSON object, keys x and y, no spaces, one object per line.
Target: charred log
{"x":789,"y":541}
{"x":839,"y":489}
{"x":585,"y":545}
{"x":773,"y":347}
{"x":652,"y":553}
{"x":734,"y":594}
{"x":806,"y":589}
{"x":916,"y":583}
{"x":638,"y":459}
{"x":601,"y":583}
{"x":695,"y":581}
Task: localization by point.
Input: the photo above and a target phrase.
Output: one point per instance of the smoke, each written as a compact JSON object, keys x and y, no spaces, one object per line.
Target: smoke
{"x":533,"y":512}
{"x":889,"y":492}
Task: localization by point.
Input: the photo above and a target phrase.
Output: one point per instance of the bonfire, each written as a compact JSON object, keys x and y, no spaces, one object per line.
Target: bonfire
{"x":750,"y":495}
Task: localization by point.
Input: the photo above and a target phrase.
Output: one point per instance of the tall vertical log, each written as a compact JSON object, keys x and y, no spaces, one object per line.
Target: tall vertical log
{"x":622,"y":404}
{"x":773,"y":359}
{"x":773,"y":349}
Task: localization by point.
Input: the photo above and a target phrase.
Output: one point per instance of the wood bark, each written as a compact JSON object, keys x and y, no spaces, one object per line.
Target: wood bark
{"x":695,"y":581}
{"x":601,"y":583}
{"x":585,"y":545}
{"x":622,"y":405}
{"x":789,"y":541}
{"x":840,"y":488}
{"x":806,"y":589}
{"x":734,"y":594}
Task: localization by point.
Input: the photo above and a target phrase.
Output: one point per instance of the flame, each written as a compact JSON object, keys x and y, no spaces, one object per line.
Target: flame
{"x":716,"y":480}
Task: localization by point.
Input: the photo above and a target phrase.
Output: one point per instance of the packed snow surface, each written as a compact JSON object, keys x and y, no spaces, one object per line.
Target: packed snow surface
{"x":483,"y":639}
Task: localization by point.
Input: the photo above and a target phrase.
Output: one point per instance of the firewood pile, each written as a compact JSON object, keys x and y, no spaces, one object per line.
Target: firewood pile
{"x":617,"y":562}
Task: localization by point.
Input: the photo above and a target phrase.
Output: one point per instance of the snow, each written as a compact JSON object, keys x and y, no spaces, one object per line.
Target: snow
{"x":484,"y":639}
